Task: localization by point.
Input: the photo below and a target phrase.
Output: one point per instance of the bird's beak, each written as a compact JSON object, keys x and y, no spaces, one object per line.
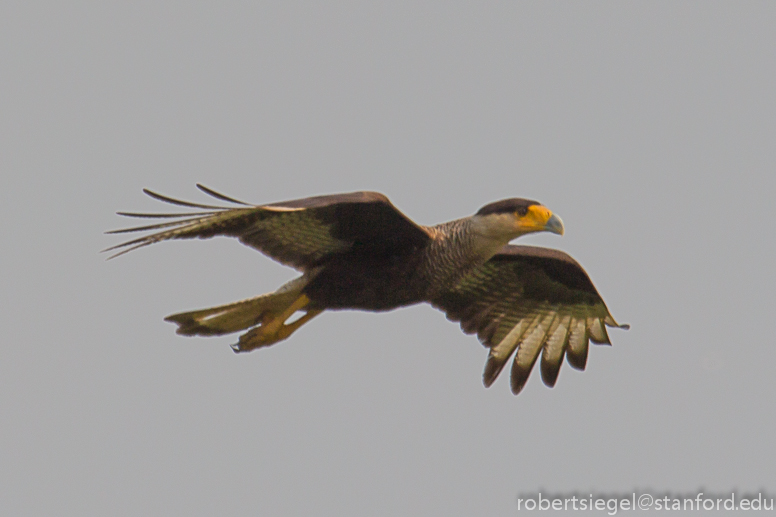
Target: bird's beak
{"x":554,"y":224}
{"x":540,"y":219}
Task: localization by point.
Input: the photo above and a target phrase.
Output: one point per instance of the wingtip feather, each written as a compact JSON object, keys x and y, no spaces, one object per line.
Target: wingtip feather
{"x":518,"y":378}
{"x":218,"y":195}
{"x":550,"y":371}
{"x":179,"y":202}
{"x":577,"y":360}
{"x":493,"y":368}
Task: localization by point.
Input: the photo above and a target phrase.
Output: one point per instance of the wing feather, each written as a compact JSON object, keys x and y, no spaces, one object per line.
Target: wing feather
{"x":501,"y":352}
{"x":554,"y":350}
{"x":595,"y":327}
{"x":528,"y":352}
{"x":222,"y":197}
{"x":529,"y":300}
{"x":299,"y":233}
{"x":179,"y":202}
{"x":577,"y":350}
{"x":159,"y":216}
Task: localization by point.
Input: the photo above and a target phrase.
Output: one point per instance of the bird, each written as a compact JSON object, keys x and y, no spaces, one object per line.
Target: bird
{"x":358,"y":251}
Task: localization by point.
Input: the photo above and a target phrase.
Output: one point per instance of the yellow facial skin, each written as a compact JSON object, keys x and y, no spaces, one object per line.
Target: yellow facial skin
{"x":539,"y":218}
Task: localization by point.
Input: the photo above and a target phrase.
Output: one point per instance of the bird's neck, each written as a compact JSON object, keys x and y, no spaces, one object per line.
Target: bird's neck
{"x":457,"y":248}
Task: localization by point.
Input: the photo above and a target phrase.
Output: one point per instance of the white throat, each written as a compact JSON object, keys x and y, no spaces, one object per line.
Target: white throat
{"x":492,"y":232}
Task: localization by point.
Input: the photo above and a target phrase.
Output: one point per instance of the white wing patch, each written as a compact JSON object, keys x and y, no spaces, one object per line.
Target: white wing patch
{"x":554,"y":350}
{"x":556,"y":332}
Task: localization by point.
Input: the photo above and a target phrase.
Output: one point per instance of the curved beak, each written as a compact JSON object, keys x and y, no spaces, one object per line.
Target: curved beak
{"x":554,"y":224}
{"x":539,"y":218}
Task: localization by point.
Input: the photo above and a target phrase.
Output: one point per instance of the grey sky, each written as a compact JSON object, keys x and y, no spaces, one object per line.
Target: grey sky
{"x":649,"y":127}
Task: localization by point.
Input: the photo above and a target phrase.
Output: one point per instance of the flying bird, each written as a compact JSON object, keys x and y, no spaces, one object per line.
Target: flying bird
{"x":358,"y":251}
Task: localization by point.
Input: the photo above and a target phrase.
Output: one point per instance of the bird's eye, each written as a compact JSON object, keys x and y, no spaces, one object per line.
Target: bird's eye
{"x":522,"y":211}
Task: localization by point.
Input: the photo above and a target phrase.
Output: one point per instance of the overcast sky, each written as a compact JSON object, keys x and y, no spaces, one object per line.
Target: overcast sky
{"x":650,"y":128}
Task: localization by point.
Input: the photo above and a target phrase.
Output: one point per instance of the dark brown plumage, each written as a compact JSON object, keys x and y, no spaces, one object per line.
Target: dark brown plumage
{"x":357,"y":251}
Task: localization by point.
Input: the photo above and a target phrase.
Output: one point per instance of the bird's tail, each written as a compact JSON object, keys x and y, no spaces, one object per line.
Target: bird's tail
{"x":267,"y":313}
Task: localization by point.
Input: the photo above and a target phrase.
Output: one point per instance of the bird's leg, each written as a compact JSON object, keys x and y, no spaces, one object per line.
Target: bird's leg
{"x":286,"y":330}
{"x":273,"y":327}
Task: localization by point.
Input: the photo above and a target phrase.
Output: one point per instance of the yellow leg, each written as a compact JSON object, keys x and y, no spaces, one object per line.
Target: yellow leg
{"x":273,"y":328}
{"x":276,"y":323}
{"x":286,"y":330}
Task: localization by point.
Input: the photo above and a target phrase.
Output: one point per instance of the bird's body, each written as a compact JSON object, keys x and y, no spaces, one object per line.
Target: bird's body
{"x":384,"y":279}
{"x":357,"y":251}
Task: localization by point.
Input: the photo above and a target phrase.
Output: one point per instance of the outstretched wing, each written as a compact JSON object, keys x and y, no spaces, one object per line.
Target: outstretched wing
{"x":533,"y":300}
{"x":299,"y":233}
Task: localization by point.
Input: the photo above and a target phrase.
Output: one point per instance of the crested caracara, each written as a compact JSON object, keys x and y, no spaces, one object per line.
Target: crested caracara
{"x":357,"y":251}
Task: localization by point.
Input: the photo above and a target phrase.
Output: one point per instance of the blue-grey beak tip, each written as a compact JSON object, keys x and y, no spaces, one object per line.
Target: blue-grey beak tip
{"x":554,"y":225}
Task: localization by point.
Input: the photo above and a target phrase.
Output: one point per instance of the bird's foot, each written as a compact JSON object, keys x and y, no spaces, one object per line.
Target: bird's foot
{"x":273,"y":327}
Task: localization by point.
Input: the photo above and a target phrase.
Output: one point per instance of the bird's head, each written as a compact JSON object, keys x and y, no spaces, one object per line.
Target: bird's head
{"x":510,"y":218}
